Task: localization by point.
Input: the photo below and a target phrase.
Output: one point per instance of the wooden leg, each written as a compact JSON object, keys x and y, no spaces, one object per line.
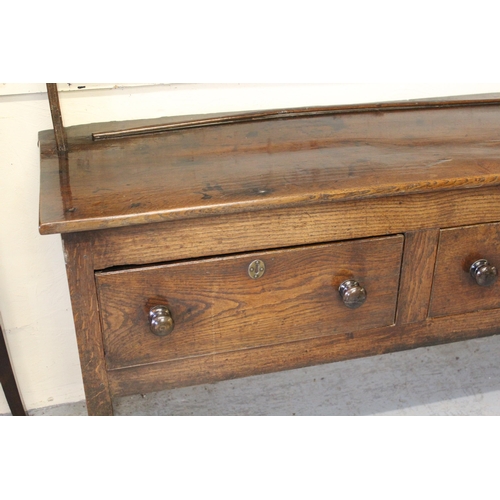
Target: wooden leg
{"x":80,"y":270}
{"x":8,"y":381}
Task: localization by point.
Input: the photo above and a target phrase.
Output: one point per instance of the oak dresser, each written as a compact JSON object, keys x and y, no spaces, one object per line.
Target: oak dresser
{"x":212,"y":247}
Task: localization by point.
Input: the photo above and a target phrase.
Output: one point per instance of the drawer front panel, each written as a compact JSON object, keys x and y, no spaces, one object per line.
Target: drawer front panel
{"x":217,"y":307}
{"x":455,"y":290}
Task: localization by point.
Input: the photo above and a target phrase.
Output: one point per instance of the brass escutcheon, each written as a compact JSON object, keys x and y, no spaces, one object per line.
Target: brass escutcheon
{"x":256,"y":269}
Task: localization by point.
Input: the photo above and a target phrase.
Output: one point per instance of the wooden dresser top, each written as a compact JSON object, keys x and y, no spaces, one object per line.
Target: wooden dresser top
{"x":296,"y":159}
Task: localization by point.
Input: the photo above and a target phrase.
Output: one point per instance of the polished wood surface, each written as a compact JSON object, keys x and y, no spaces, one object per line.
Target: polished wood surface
{"x":217,"y":307}
{"x":283,"y":228}
{"x":208,"y":369}
{"x":401,"y":200}
{"x":57,"y":121}
{"x":213,"y":120}
{"x":261,"y":166}
{"x":454,"y":289}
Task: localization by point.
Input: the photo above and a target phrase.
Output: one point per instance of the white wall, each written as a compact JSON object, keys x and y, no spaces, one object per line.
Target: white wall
{"x":34,"y":299}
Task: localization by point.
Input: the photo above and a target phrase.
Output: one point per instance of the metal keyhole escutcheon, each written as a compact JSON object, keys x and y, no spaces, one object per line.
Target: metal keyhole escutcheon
{"x":256,"y":269}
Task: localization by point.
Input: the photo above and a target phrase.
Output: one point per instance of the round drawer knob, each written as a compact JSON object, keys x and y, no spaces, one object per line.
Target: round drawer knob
{"x":352,"y":293}
{"x":483,"y":272}
{"x":161,"y":322}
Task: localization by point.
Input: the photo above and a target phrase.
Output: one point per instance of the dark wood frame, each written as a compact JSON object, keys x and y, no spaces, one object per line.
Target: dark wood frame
{"x":8,"y":379}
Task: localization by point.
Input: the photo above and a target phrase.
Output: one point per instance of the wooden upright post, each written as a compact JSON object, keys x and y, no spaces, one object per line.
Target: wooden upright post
{"x":55,"y":109}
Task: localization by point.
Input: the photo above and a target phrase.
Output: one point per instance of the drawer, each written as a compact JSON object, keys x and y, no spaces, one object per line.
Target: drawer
{"x":455,"y":290}
{"x":216,"y":306}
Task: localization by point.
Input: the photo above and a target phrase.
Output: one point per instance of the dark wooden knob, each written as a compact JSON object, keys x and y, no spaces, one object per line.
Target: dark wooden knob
{"x":161,"y":322}
{"x":353,"y":294}
{"x":483,"y":272}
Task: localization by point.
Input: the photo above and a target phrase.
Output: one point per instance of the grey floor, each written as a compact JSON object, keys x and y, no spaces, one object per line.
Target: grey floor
{"x":454,"y":379}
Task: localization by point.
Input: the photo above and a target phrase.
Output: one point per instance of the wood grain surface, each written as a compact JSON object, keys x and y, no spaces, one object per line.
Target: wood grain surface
{"x":454,"y":291}
{"x":234,"y":233}
{"x":217,"y":307}
{"x":261,"y":166}
{"x":401,"y":201}
{"x":80,"y":271}
{"x":416,"y":275}
{"x":286,"y":356}
{"x":161,"y":125}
